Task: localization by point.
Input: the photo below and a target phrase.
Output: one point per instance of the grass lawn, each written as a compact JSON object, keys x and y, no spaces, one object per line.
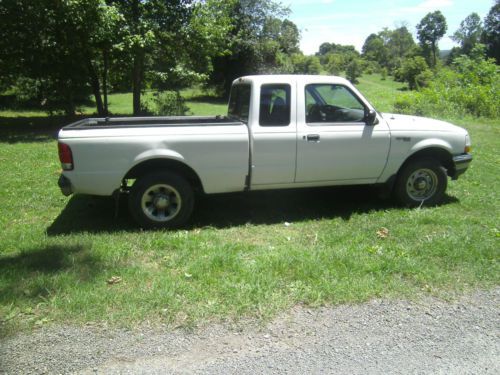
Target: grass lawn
{"x":71,"y":260}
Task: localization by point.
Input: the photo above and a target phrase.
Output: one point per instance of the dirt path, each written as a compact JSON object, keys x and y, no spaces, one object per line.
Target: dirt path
{"x":429,"y":336}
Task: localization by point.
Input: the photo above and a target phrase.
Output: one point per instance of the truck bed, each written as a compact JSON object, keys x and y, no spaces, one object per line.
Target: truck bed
{"x":157,"y":121}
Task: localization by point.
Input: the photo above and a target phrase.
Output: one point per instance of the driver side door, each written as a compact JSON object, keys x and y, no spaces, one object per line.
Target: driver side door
{"x":334,"y":143}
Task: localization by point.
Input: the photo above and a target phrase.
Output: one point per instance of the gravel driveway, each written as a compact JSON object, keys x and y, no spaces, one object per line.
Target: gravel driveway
{"x":377,"y":337}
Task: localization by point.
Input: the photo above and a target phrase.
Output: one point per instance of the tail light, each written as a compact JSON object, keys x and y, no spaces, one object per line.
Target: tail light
{"x":65,"y":156}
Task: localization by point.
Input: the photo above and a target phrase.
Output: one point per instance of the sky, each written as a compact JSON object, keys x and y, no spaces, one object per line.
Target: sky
{"x":349,"y":22}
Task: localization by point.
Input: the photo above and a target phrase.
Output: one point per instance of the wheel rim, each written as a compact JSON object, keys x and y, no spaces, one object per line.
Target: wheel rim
{"x":422,"y":184}
{"x":161,"y":202}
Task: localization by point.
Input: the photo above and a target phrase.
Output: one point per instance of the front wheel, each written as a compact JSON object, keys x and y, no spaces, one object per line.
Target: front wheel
{"x":161,"y":200}
{"x":421,"y":182}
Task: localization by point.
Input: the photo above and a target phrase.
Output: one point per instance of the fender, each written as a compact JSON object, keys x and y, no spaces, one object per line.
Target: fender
{"x":158,"y":154}
{"x":430,"y":143}
{"x":394,"y":164}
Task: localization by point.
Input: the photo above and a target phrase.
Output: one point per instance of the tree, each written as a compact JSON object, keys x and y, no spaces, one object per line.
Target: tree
{"x":469,"y":33}
{"x":429,"y":30}
{"x":389,"y":47}
{"x":256,"y":42}
{"x":400,"y":44}
{"x":354,"y":71}
{"x":415,"y":72}
{"x":55,"y":46}
{"x":491,"y":32}
{"x":305,"y":64}
{"x":151,"y":26}
{"x":374,"y":49}
{"x":336,"y":57}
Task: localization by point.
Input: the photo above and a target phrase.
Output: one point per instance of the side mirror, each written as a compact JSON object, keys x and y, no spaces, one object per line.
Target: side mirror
{"x":371,"y":117}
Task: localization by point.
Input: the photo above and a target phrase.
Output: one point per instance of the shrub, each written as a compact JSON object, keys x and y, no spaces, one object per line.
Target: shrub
{"x":415,"y":72}
{"x":305,"y":64}
{"x":354,"y":70}
{"x":383,"y":73}
{"x":470,"y":87}
{"x":169,"y":103}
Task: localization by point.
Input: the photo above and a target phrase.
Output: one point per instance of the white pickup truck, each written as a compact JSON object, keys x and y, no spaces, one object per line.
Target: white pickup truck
{"x":281,"y":131}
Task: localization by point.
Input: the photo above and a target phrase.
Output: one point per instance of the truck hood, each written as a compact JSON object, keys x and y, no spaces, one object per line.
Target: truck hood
{"x":414,"y":123}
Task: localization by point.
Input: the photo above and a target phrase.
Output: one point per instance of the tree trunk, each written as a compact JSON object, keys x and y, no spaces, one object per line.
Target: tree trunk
{"x":137,"y":69}
{"x":105,"y":58}
{"x":96,"y":87}
{"x":137,"y":81}
{"x":433,"y":54}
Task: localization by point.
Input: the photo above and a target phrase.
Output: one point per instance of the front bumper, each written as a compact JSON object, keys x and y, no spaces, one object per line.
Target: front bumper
{"x":65,"y":185}
{"x":461,"y":163}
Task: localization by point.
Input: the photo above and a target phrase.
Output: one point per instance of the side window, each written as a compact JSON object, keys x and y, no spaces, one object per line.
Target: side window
{"x":332,"y":103}
{"x":274,"y":105}
{"x":239,"y":102}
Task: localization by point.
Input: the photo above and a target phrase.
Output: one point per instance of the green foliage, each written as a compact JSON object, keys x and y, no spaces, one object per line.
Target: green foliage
{"x":326,"y":49}
{"x":470,"y":87}
{"x":53,"y":44}
{"x":354,"y":70}
{"x":305,"y":64}
{"x":71,"y":49}
{"x":389,"y":47}
{"x":415,"y":72}
{"x":383,"y":74}
{"x":169,"y":103}
{"x":374,"y":49}
{"x":429,"y":30}
{"x":491,"y":32}
{"x":258,"y":41}
{"x":371,"y":67}
{"x":335,"y":63}
{"x":469,"y":33}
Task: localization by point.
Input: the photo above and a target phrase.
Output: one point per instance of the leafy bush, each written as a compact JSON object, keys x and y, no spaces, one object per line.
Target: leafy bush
{"x":470,"y":87}
{"x":169,"y":103}
{"x":371,"y":67}
{"x":383,"y":73}
{"x":354,"y":71}
{"x":305,"y":64}
{"x":415,"y":72}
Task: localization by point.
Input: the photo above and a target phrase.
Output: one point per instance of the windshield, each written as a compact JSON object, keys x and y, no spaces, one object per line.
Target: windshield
{"x":239,"y":102}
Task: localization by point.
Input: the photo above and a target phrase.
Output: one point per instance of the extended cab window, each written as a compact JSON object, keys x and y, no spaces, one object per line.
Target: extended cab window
{"x":332,"y":103}
{"x":239,"y":102}
{"x":274,"y":105}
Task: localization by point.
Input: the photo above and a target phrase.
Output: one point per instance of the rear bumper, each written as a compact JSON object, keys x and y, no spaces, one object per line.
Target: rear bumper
{"x":65,"y":185}
{"x":461,"y":163}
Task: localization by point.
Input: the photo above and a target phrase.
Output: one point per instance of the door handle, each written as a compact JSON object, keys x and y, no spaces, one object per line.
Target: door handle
{"x":313,"y":138}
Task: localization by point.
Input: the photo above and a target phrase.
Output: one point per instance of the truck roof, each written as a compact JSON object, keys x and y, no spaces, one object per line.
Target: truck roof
{"x":291,"y":78}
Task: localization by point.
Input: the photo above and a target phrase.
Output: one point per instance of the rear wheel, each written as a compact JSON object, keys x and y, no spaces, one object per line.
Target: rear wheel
{"x":421,"y":182}
{"x":161,"y":200}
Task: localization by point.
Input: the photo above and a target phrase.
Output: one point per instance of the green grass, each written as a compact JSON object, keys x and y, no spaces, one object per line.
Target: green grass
{"x":381,"y":93}
{"x":242,"y":255}
{"x":199,"y":102}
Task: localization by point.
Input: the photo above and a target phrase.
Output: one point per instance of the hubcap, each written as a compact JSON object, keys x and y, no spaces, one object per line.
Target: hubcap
{"x":161,"y":202}
{"x":422,"y":184}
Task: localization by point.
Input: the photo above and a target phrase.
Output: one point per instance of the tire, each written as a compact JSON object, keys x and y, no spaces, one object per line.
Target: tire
{"x":421,"y":182}
{"x":161,"y":200}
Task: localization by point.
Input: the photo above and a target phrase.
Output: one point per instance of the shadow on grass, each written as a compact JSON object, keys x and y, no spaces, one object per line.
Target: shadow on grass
{"x":46,"y":260}
{"x":32,"y":129}
{"x":91,"y":214}
{"x":34,"y":273}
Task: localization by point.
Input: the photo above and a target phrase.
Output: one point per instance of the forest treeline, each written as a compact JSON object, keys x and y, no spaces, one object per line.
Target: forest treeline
{"x":57,"y":54}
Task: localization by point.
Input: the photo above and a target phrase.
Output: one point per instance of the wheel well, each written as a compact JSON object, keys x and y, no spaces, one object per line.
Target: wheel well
{"x":170,"y":165}
{"x":443,"y":156}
